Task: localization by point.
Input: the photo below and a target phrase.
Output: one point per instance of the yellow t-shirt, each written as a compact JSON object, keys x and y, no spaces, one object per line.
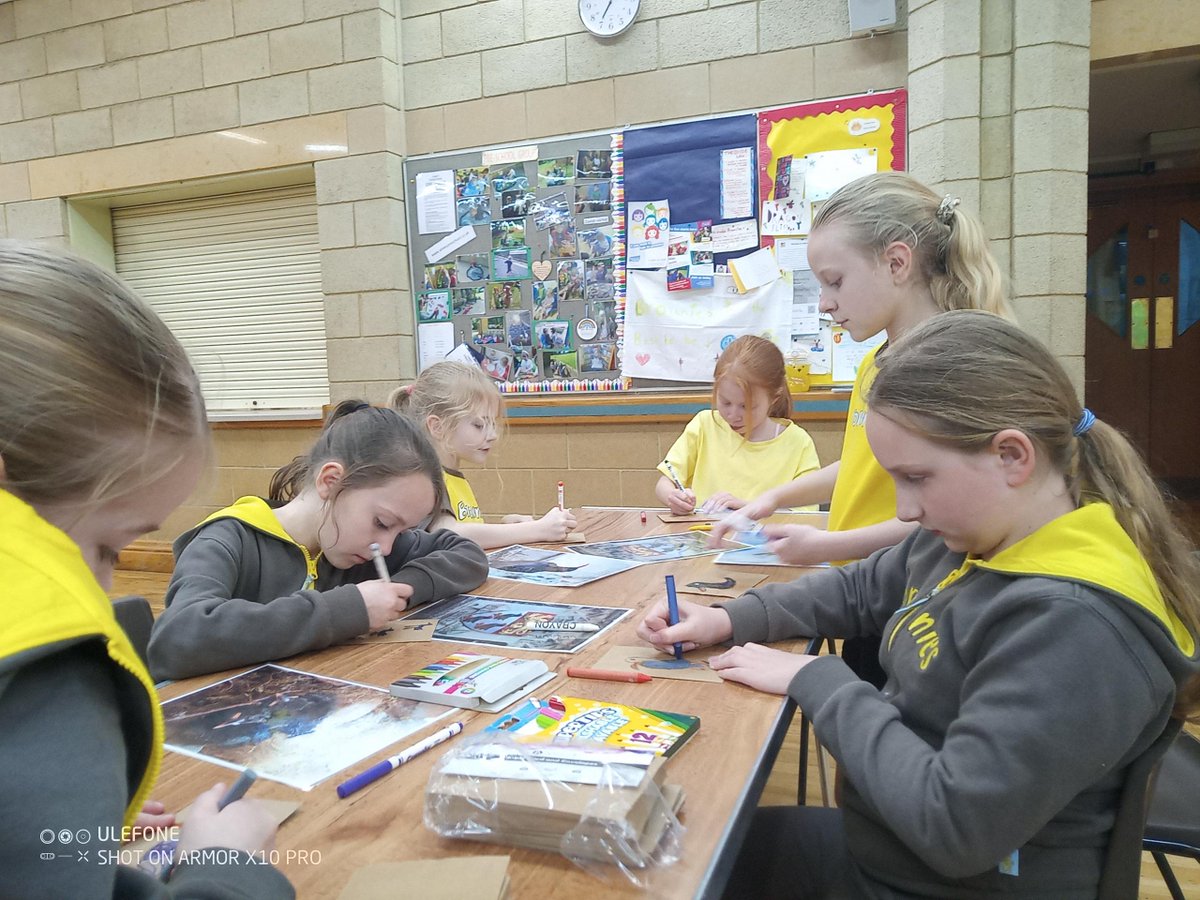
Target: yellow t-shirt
{"x":460,"y":501}
{"x":864,"y":494}
{"x":710,"y":457}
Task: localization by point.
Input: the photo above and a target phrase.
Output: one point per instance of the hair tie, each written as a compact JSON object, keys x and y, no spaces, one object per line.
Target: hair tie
{"x":360,"y":406}
{"x":408,"y":389}
{"x":945,"y":210}
{"x":1086,"y":420}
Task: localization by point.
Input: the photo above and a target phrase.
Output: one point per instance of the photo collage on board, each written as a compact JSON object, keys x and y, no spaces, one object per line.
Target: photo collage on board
{"x":533,"y":293}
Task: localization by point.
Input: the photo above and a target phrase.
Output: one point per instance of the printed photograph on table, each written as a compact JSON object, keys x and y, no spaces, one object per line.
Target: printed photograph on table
{"x":653,"y":549}
{"x":556,"y":172}
{"x":469,"y":301}
{"x":471,"y":267}
{"x":552,"y":567}
{"x":497,"y":363}
{"x":433,"y":306}
{"x":554,"y":334}
{"x":756,"y":556}
{"x":509,"y":178}
{"x":508,"y":233}
{"x":595,"y":242}
{"x":562,"y":239}
{"x":474,"y":211}
{"x":511,"y":264}
{"x":562,"y":365}
{"x":505,"y":295}
{"x":597,"y":357}
{"x":570,"y":280}
{"x":599,"y":279}
{"x":472,"y":182}
{"x":488,"y":330}
{"x":545,"y":299}
{"x":525,"y":360}
{"x":593,"y":197}
{"x":516,"y":203}
{"x":290,"y":726}
{"x":494,"y":622}
{"x":593,"y":164}
{"x":439,"y":276}
{"x":549,"y":210}
{"x":520,"y":333}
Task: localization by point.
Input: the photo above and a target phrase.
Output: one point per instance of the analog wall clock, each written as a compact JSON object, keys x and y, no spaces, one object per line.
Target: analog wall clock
{"x":608,"y":18}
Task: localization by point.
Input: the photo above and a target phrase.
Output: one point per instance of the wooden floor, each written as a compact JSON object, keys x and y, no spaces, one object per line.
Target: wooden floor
{"x":781,"y":786}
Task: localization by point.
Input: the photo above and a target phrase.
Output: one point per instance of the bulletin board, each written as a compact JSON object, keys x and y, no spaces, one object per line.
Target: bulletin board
{"x":512,"y":256}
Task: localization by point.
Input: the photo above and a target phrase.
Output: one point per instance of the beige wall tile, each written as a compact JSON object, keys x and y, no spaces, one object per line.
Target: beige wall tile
{"x":1129,"y":27}
{"x":1050,"y":202}
{"x":500,"y":493}
{"x":424,"y":130}
{"x":267,"y":448}
{"x":1065,"y":22}
{"x":341,"y":315}
{"x":583,"y":487}
{"x":942,"y":28}
{"x":551,"y":18}
{"x":40,"y":16}
{"x":710,"y":34}
{"x":363,"y":359}
{"x":1067,"y":325}
{"x":996,"y":27}
{"x":749,"y":81}
{"x":995,"y":206}
{"x":143,"y":5}
{"x":108,"y":85}
{"x":524,"y":67}
{"x":335,"y":225}
{"x":14,"y":182}
{"x":307,"y":46}
{"x":37,"y":218}
{"x":411,"y":8}
{"x":1051,"y":75}
{"x":1049,"y":264}
{"x":995,"y":147}
{"x":996,"y":86}
{"x":491,"y":121}
{"x":668,"y":94}
{"x":533,"y":447}
{"x":209,"y":110}
{"x":1050,"y":139}
{"x":79,"y":131}
{"x":657,"y":9}
{"x":375,"y":128}
{"x":586,"y":106}
{"x":75,"y":48}
{"x":8,"y":23}
{"x":199,"y":22}
{"x":861,"y":64}
{"x":634,"y":51}
{"x":83,"y":11}
{"x":355,"y":269}
{"x":30,"y":139}
{"x":369,"y":34}
{"x":137,"y":35}
{"x":143,"y":120}
{"x":637,"y":488}
{"x":10,"y":102}
{"x":945,"y":151}
{"x":379,"y":221}
{"x":780,"y":26}
{"x":947,"y":89}
{"x":263,"y":15}
{"x":421,"y":38}
{"x":364,"y":177}
{"x":383,"y":312}
{"x":346,"y":86}
{"x":320,"y":9}
{"x":1033,"y":314}
{"x":170,"y":73}
{"x":235,"y":60}
{"x":278,"y":97}
{"x":23,"y":59}
{"x":483,"y":26}
{"x":49,"y":95}
{"x":612,"y":449}
{"x":1002,"y":250}
{"x":442,"y":81}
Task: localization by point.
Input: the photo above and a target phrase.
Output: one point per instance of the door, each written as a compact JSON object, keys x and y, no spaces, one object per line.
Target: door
{"x":1143,"y":323}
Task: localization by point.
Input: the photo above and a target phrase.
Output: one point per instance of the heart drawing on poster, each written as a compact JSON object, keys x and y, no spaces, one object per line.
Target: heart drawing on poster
{"x":541,"y":269}
{"x":642,"y":358}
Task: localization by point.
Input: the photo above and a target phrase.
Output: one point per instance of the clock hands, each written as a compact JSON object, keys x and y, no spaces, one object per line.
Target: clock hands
{"x":606,"y":9}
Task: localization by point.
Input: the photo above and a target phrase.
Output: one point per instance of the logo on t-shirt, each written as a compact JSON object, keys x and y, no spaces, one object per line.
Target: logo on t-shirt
{"x":466,"y":512}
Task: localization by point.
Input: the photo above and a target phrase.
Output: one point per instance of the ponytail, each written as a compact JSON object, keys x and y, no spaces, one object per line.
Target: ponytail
{"x":961,"y":377}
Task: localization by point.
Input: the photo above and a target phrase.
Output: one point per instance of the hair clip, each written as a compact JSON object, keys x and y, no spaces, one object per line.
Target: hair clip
{"x":945,"y":210}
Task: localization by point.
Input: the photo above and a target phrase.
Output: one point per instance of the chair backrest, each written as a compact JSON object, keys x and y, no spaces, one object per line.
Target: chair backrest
{"x":133,"y":614}
{"x":1173,"y":823}
{"x":1123,"y":859}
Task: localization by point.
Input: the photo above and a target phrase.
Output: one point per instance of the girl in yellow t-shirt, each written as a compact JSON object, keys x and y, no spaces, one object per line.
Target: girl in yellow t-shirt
{"x":746,"y":443}
{"x":459,"y":406}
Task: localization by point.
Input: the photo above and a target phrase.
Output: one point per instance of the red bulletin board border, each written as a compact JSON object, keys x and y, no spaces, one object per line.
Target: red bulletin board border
{"x":898,"y":99}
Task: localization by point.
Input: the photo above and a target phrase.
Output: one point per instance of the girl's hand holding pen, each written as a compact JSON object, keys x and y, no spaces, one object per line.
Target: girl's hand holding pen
{"x":385,"y":600}
{"x":681,"y":501}
{"x":557,"y":524}
{"x":759,"y":667}
{"x":242,"y":825}
{"x":699,"y":626}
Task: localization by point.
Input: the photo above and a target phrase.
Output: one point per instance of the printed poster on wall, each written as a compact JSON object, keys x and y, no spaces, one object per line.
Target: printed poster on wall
{"x":677,"y":336}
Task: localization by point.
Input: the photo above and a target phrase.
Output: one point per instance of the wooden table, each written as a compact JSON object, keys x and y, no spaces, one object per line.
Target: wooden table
{"x":722,"y":767}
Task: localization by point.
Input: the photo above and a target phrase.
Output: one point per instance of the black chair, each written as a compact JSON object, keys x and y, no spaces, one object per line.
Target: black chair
{"x":813,"y":649}
{"x":1173,"y":823}
{"x":134,"y":615}
{"x":1123,"y":859}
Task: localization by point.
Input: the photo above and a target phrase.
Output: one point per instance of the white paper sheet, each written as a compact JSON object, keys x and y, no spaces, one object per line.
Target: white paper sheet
{"x":649,"y":228}
{"x":755,"y":269}
{"x":450,"y":243}
{"x":737,"y":173}
{"x":829,"y":170}
{"x":730,"y":236}
{"x":435,"y":202}
{"x":435,"y":339}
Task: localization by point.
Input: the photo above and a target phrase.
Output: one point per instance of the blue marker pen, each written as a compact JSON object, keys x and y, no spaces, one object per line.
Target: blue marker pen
{"x":673,"y":611}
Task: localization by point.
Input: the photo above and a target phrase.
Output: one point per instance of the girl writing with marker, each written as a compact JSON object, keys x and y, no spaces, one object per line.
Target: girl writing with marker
{"x":81,"y":477}
{"x":889,"y":254}
{"x":265,"y":579}
{"x":746,"y":443}
{"x":1040,"y":629}
{"x":459,"y":406}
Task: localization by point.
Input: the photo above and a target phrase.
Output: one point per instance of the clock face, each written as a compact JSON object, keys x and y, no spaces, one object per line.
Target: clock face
{"x":607,"y":18}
